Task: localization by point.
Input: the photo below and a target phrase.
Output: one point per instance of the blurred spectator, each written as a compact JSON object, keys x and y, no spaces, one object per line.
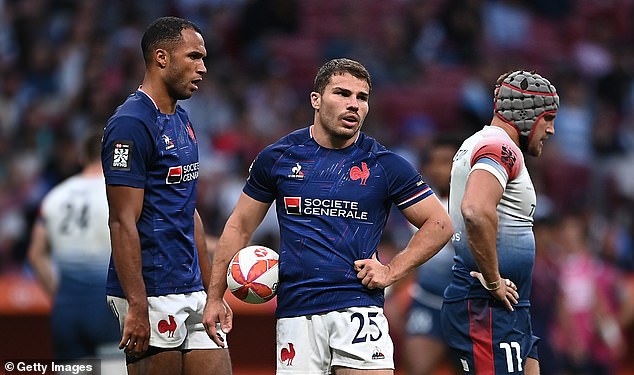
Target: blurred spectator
{"x":591,"y":54}
{"x":463,"y":26}
{"x":545,"y":277}
{"x":506,"y":25}
{"x":587,"y":335}
{"x":573,"y":134}
{"x":396,"y":53}
{"x":475,"y":93}
{"x":259,"y":20}
{"x":425,"y":31}
{"x":348,"y":36}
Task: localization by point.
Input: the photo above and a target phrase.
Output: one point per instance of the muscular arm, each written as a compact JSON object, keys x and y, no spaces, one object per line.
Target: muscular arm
{"x":482,"y":194}
{"x":479,"y":209}
{"x":435,"y":229}
{"x":125,"y":204}
{"x":244,"y":219}
{"x":40,"y":259}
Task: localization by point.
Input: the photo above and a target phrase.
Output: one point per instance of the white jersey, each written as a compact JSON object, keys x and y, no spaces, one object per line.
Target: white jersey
{"x":75,"y":214}
{"x":491,"y":149}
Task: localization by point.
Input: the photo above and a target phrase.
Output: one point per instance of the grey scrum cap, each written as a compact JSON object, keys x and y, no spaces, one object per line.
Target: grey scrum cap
{"x":522,"y":98}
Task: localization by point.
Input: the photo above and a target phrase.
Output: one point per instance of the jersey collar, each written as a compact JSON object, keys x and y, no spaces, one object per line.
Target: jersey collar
{"x":310,"y":131}
{"x":148,"y":95}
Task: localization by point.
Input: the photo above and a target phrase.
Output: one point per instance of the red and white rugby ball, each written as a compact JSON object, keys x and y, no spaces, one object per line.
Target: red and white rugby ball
{"x":252,"y":275}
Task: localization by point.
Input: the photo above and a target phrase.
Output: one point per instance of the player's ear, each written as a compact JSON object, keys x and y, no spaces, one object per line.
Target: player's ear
{"x":315,"y":100}
{"x":161,"y":57}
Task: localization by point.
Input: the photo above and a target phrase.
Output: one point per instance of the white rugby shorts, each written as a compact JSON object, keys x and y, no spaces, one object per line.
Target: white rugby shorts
{"x":356,"y":337}
{"x":175,"y":320}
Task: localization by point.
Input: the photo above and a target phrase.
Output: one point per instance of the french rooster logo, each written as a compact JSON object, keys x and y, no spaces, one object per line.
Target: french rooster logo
{"x":287,"y":355}
{"x":164,"y":326}
{"x":362,"y":173}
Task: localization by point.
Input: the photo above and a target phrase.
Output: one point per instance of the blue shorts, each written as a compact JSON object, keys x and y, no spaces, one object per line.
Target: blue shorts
{"x":487,"y":337}
{"x":423,"y":320}
{"x":81,"y":325}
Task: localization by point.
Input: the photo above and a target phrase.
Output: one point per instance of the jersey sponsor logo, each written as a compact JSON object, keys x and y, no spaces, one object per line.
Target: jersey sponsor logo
{"x":182,"y":173}
{"x":324,"y":207}
{"x":121,"y":155}
{"x":362,"y":173}
{"x":296,"y":172}
{"x":293,"y":205}
{"x":169,"y":144}
{"x":174,"y":175}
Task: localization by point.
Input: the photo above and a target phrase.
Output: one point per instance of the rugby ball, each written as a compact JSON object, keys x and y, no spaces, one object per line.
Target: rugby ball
{"x":252,"y":275}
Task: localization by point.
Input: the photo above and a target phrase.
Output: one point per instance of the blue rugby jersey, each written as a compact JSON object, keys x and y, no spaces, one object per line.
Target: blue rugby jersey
{"x":146,"y":149}
{"x":332,"y":206}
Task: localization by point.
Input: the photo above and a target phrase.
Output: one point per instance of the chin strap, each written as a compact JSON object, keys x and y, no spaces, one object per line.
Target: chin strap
{"x":523,"y":142}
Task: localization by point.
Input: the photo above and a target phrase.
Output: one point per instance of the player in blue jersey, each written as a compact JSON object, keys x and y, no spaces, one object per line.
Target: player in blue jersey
{"x":333,"y":187}
{"x":425,"y":348}
{"x":69,"y":252}
{"x":485,"y":315}
{"x":159,"y":262}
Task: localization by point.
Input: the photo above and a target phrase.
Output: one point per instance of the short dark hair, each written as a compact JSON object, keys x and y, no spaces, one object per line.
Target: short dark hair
{"x":164,"y":32}
{"x":91,"y":146}
{"x":340,"y":66}
{"x":449,"y":139}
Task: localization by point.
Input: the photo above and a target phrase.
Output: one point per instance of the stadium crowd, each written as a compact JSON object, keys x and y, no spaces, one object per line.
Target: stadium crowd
{"x":66,"y":64}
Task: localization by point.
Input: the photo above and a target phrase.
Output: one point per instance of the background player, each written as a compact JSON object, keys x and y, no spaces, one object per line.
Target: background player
{"x":333,"y":187}
{"x":159,"y":260}
{"x":485,"y":315}
{"x":425,"y":349}
{"x":69,"y":252}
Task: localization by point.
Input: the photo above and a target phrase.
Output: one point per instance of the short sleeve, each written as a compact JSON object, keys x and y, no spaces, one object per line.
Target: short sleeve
{"x":405,"y":184}
{"x":499,"y":157}
{"x":127,"y":149}
{"x":260,"y":184}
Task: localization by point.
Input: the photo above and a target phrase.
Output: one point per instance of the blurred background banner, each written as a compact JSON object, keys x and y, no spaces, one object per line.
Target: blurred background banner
{"x":66,"y":64}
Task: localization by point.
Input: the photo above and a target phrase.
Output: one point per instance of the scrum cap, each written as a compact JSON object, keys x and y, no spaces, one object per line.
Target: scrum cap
{"x":524,"y":97}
